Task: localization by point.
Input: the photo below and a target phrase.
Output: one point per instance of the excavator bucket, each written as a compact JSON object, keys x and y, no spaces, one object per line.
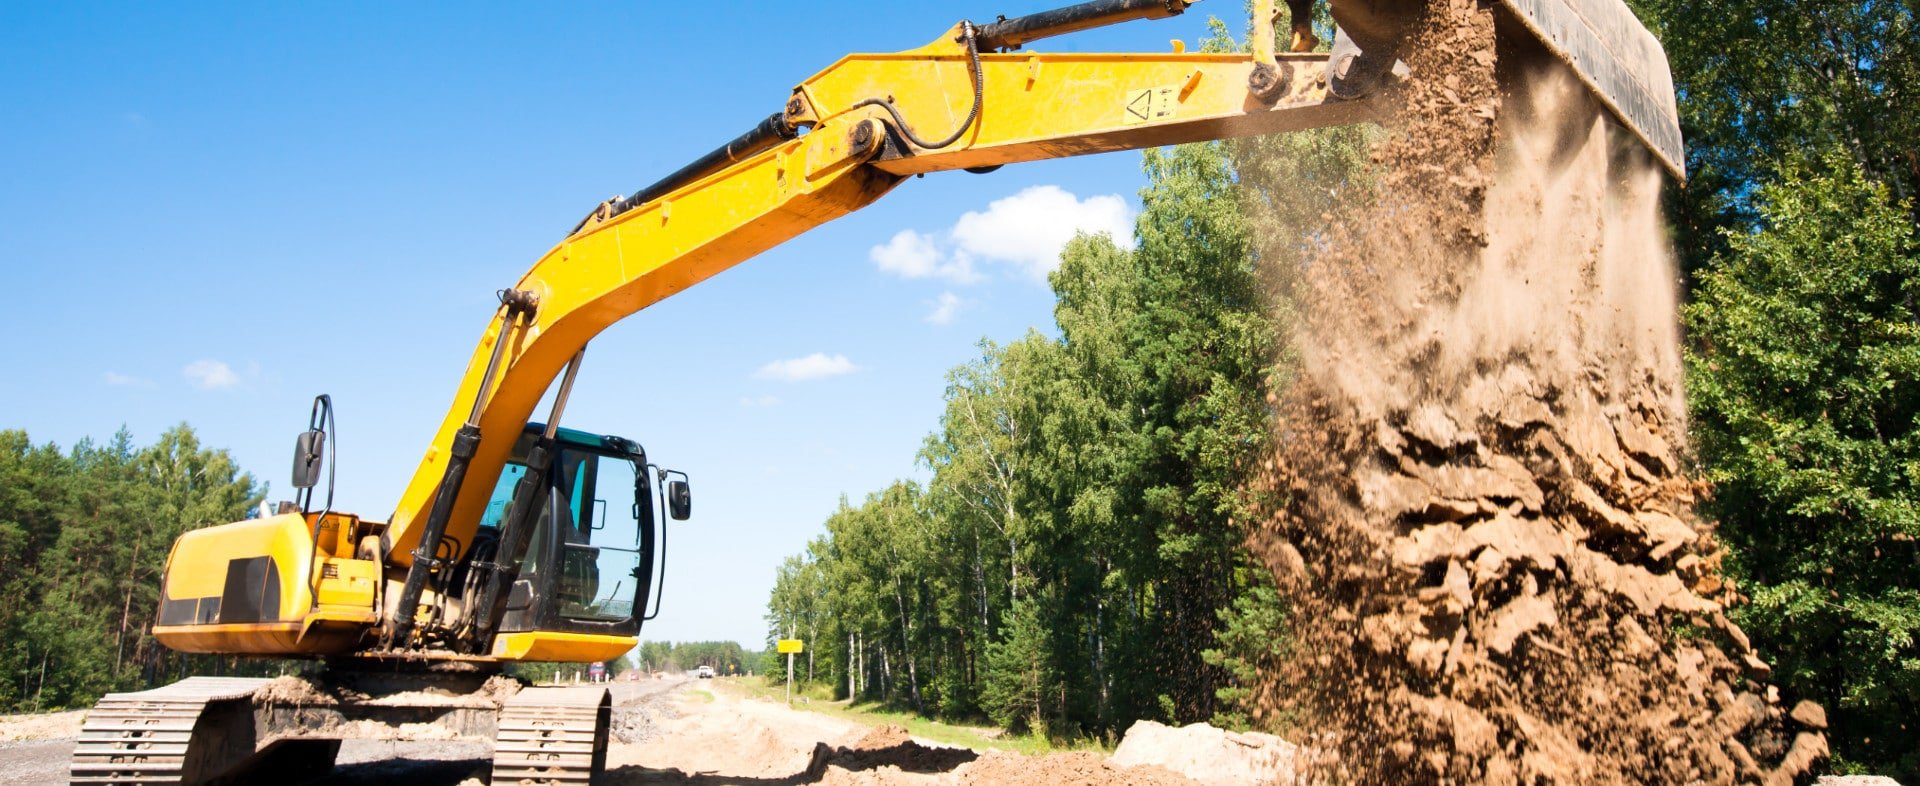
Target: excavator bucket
{"x":1600,"y":40}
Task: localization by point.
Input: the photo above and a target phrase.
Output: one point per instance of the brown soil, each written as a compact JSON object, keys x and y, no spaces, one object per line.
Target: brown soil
{"x":732,"y":739}
{"x":1486,"y":526}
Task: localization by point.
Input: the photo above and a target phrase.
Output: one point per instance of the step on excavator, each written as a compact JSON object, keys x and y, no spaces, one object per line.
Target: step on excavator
{"x":519,"y":540}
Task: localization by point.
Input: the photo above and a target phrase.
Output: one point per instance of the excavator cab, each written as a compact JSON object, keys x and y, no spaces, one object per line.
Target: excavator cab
{"x":590,"y":566}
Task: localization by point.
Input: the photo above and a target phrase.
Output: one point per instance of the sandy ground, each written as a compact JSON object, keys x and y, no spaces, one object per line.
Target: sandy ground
{"x":665,"y":732}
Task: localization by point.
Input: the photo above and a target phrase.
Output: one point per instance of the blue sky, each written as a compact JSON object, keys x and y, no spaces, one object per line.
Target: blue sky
{"x":210,"y":213}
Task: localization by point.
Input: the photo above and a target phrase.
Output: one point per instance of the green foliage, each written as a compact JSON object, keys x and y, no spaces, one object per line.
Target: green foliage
{"x":1021,"y":680}
{"x":724,"y":657}
{"x":1253,"y":641}
{"x":1762,"y":80}
{"x":84,"y":536}
{"x":1805,"y":387}
{"x":1798,"y":226}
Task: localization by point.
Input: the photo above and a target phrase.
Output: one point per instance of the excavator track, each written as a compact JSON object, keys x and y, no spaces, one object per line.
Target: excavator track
{"x":175,"y":734}
{"x":552,"y":736}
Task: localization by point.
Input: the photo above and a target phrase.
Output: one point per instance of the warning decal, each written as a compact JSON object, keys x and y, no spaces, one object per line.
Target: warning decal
{"x":1150,"y":105}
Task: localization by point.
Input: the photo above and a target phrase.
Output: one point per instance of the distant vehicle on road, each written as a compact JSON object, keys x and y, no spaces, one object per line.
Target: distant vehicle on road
{"x":704,"y":672}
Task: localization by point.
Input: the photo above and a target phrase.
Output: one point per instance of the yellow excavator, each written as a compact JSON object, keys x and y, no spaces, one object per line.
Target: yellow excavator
{"x":524,"y":541}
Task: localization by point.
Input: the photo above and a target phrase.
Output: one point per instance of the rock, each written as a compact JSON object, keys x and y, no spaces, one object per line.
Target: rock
{"x":1733,"y":632}
{"x":1528,"y":540}
{"x":1393,"y":494}
{"x":1634,"y":640}
{"x":1427,"y":545}
{"x":1208,"y":754}
{"x":1668,"y":534}
{"x":1809,"y":714}
{"x":1598,"y":514}
{"x":1756,"y":668}
{"x":1808,"y":747}
{"x":1431,"y":424}
{"x":1855,"y":780}
{"x":1518,"y":618}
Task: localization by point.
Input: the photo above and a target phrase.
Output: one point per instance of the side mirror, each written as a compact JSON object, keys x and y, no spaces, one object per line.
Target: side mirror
{"x":307,"y":452}
{"x":679,"y":500}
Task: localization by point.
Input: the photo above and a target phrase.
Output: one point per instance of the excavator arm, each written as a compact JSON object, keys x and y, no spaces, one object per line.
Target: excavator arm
{"x":846,"y":137}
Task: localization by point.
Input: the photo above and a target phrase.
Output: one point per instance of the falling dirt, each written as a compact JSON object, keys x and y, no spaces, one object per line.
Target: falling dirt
{"x":1486,"y":529}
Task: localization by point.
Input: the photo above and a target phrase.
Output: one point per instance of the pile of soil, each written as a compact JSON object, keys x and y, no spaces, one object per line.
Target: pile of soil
{"x":1480,"y":510}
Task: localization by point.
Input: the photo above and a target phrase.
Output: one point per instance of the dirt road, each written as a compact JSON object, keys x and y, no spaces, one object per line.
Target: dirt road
{"x":676,"y":731}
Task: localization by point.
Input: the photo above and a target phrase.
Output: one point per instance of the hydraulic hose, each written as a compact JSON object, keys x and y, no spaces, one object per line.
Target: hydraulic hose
{"x":969,"y":35}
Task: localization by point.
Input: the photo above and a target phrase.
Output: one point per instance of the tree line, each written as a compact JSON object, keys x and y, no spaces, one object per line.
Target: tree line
{"x":84,"y":536}
{"x":724,"y":657}
{"x":1069,"y":561}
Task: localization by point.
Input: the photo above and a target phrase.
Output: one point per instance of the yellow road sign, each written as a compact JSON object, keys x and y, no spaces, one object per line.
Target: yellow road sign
{"x":789,"y":646}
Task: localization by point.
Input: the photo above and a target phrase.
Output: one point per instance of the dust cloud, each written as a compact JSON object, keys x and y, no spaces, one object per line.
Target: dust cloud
{"x":1484,"y":521}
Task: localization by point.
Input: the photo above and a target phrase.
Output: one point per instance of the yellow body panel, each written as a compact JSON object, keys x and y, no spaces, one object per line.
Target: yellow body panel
{"x":200,"y":561}
{"x":564,"y":647}
{"x":249,"y":588}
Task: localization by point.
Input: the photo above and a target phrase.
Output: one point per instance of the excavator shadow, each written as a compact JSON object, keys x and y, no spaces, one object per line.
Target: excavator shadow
{"x":414,"y":771}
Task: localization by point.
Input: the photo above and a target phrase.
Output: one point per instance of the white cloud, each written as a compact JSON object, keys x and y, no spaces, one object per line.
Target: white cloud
{"x":913,"y":254}
{"x":124,"y":380}
{"x":210,"y":374}
{"x":1026,"y":230}
{"x":818,"y":365}
{"x":758,"y":402}
{"x":1030,"y":228}
{"x":945,"y":308}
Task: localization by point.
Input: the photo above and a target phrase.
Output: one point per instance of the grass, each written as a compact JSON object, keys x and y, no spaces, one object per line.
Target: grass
{"x":819,"y":699}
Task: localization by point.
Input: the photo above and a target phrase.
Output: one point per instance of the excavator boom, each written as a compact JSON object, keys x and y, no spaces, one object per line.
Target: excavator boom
{"x":866,"y":121}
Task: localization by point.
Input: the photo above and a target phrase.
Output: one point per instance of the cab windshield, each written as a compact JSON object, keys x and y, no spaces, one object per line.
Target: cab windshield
{"x":598,"y":573}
